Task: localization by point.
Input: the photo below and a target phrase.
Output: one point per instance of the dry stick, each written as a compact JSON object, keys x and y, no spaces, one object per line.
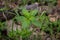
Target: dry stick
{"x":4,"y":16}
{"x":6,"y":21}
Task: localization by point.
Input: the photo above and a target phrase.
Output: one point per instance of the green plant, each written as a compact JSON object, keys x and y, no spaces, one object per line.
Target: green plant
{"x":3,"y":30}
{"x":32,"y":1}
{"x":58,"y":26}
{"x":3,"y":25}
{"x":28,"y":18}
{"x":44,"y":20}
{"x":25,"y":33}
{"x":13,"y":35}
{"x":47,"y":25}
{"x":24,"y":2}
{"x":49,"y":2}
{"x":52,"y":2}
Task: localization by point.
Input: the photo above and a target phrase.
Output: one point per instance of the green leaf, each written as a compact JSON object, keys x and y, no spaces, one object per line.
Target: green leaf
{"x":12,"y":34}
{"x":34,"y":12}
{"x":35,"y":22}
{"x":25,"y":13}
{"x":25,"y":33}
{"x":25,"y":22}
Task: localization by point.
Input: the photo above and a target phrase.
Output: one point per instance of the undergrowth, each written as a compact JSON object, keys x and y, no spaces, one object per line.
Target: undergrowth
{"x":28,"y":18}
